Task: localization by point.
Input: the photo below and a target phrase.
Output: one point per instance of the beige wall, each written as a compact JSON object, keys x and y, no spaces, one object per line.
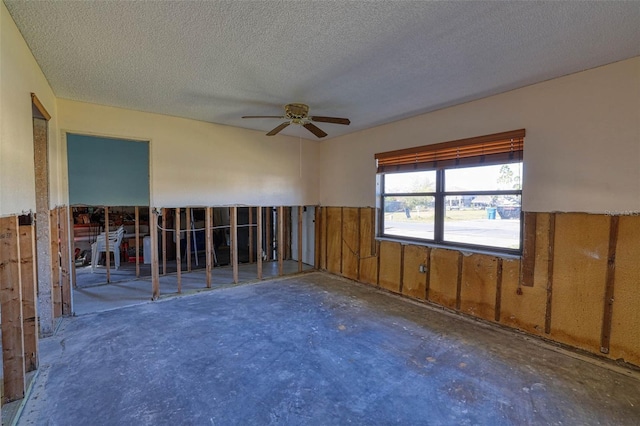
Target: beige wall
{"x":596,"y":112}
{"x":19,"y":76}
{"x":196,"y":163}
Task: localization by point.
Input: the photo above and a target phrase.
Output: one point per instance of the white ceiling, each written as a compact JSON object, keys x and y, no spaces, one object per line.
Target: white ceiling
{"x":371,"y":61}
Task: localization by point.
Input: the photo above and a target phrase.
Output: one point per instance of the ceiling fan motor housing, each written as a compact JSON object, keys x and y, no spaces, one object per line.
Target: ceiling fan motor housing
{"x":296,"y":112}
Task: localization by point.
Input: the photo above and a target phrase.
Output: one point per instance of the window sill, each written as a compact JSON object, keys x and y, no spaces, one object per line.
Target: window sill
{"x":465,"y":250}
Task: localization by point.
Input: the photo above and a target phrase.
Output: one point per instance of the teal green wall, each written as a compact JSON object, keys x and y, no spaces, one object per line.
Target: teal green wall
{"x":107,"y":172}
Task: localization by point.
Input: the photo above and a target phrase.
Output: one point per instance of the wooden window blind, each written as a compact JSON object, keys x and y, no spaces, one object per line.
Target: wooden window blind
{"x":497,"y":148}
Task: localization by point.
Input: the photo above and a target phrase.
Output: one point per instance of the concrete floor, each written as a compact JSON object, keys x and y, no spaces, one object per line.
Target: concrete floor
{"x":94,"y":295}
{"x":312,"y":349}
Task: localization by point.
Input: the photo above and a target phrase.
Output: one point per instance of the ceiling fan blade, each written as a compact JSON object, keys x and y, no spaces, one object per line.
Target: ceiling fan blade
{"x":262,"y":116}
{"x":278,"y":129}
{"x":334,"y":120}
{"x":315,"y":130}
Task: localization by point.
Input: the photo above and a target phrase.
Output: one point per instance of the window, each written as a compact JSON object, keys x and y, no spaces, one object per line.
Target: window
{"x":465,"y":193}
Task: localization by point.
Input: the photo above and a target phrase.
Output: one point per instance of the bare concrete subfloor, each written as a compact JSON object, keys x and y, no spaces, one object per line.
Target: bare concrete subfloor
{"x":312,"y":349}
{"x":93,"y":294}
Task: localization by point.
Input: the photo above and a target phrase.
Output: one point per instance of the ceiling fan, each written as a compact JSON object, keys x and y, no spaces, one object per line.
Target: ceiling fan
{"x":299,"y":114}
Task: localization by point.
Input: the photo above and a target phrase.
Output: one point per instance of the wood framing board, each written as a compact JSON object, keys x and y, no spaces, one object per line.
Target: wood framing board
{"x":11,"y":310}
{"x":444,"y":277}
{"x":350,"y":242}
{"x":625,"y":320}
{"x":334,"y":240}
{"x":155,"y":273}
{"x":233,"y":216}
{"x":164,"y":241}
{"x":390,"y":266}
{"x":414,"y":281}
{"x":579,"y":276}
{"x":280,"y":243}
{"x":137,"y":247}
{"x":178,"y":254}
{"x":29,"y":301}
{"x":268,"y":229}
{"x":55,"y":263}
{"x":529,"y":249}
{"x":368,"y":267}
{"x":259,"y":242}
{"x":521,"y":307}
{"x":323,"y":239}
{"x":106,"y":244}
{"x":251,"y":222}
{"x":318,"y":236}
{"x":65,"y":259}
{"x":550,"y":259}
{"x":208,"y":243}
{"x":607,"y":314}
{"x":478,"y":286}
{"x":189,"y":236}
{"x":299,"y":255}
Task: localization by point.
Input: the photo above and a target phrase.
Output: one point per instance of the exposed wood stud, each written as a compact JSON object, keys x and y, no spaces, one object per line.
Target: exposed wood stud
{"x":287,"y":232}
{"x":65,"y":258}
{"x":178,"y":255}
{"x":280,"y":240}
{"x":498,"y":306}
{"x":359,"y":248}
{"x":259,"y":241}
{"x":528,"y":263}
{"x":189,"y":236}
{"x":325,"y":221}
{"x":11,"y":310}
{"x":41,"y":109}
{"x":459,"y":282}
{"x":55,"y":263}
{"x":106,"y":244}
{"x":208,"y":243}
{"x":318,"y":236}
{"x":164,"y":241}
{"x":552,"y":232}
{"x":427,"y":275}
{"x":378,"y":264}
{"x":155,"y":272}
{"x":402,"y":246}
{"x":607,"y":318}
{"x":250,"y":234}
{"x":373,"y":231}
{"x":300,"y":212}
{"x":137,"y":249}
{"x":268,"y":231}
{"x":233,"y":214}
{"x":341,"y":239}
{"x":29,"y":302}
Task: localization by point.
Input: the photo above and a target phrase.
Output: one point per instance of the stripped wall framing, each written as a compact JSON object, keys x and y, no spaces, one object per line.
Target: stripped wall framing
{"x":576,"y":283}
{"x":18,"y":293}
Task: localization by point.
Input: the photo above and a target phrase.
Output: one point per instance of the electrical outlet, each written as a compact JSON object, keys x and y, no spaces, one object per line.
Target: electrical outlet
{"x":422,"y":269}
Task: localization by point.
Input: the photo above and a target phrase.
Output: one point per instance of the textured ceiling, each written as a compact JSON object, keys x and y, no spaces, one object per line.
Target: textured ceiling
{"x":371,"y":61}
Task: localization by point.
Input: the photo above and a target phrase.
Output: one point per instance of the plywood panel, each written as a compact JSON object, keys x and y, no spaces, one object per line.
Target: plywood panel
{"x":625,"y":326}
{"x":334,"y":239}
{"x":542,"y":250}
{"x":579,"y":275}
{"x":521,"y":307}
{"x":390,"y":265}
{"x":368,"y":247}
{"x":443,"y":279}
{"x":414,"y":282}
{"x":11,"y":310}
{"x":350,"y":242}
{"x":478,"y":290}
{"x":29,"y":311}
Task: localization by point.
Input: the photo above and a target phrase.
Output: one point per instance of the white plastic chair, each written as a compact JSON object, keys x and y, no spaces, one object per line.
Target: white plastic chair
{"x":97,"y":248}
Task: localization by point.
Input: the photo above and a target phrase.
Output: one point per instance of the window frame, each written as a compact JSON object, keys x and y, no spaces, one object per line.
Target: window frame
{"x":440,"y":194}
